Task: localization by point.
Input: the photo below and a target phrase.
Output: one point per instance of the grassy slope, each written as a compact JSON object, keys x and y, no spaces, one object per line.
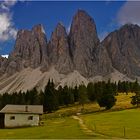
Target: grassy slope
{"x":54,"y":128}
{"x":123,"y":102}
{"x":112,"y":123}
{"x":69,"y":128}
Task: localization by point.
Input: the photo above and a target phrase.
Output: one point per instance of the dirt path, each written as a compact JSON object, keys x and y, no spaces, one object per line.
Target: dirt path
{"x":89,"y":131}
{"x":82,"y":125}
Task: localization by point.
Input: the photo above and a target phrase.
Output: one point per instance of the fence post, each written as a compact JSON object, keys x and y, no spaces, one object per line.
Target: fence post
{"x":124,"y":131}
{"x":95,"y":126}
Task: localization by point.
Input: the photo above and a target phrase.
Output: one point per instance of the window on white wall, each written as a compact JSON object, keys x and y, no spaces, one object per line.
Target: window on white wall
{"x":30,"y":118}
{"x":12,"y":117}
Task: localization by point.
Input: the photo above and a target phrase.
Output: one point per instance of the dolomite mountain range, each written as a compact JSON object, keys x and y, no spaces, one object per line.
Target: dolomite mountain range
{"x":73,"y":58}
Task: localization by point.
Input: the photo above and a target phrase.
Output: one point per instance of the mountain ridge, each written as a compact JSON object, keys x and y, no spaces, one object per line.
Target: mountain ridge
{"x":71,"y":58}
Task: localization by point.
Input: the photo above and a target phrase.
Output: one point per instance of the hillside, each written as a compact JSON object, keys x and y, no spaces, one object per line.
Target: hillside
{"x":93,"y":125}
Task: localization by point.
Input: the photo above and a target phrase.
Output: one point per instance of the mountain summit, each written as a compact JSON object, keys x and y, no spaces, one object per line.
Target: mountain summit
{"x":29,"y":50}
{"x":85,"y":46}
{"x":123,"y":47}
{"x":59,"y":50}
{"x":70,"y":59}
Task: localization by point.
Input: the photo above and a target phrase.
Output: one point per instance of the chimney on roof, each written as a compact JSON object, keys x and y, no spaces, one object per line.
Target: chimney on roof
{"x":26,"y":108}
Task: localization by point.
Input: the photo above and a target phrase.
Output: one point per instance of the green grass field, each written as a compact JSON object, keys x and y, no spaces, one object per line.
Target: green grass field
{"x":109,"y":124}
{"x":113,"y":123}
{"x":52,"y":129}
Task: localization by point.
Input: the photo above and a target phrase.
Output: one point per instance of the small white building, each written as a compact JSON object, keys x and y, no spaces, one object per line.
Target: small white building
{"x":20,"y":115}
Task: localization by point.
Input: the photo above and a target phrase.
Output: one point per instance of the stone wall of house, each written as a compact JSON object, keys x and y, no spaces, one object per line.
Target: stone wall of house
{"x":19,"y":120}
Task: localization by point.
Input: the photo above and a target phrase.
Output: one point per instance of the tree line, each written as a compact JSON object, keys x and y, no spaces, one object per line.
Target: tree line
{"x":51,"y":98}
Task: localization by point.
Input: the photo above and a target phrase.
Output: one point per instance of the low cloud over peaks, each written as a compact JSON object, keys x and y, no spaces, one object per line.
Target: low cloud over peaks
{"x":5,"y":56}
{"x":7,"y":4}
{"x":7,"y":29}
{"x":129,"y":13}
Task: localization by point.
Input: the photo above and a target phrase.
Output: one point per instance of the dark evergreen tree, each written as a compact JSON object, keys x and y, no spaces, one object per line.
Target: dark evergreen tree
{"x":101,"y":92}
{"x":71,"y":95}
{"x":41,"y":98}
{"x":106,"y":100}
{"x":33,"y":96}
{"x":91,"y":92}
{"x":136,"y":99}
{"x":83,"y":97}
{"x":136,"y":87}
{"x":114,"y":88}
{"x":68,"y":96}
{"x":50,"y":98}
{"x":60,"y":95}
{"x":107,"y":97}
{"x":119,"y":86}
{"x":76,"y":94}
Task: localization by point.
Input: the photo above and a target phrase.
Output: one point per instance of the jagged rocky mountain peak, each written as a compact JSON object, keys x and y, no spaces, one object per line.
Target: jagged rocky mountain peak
{"x":30,"y":50}
{"x":82,"y":20}
{"x":85,"y":45}
{"x":38,"y":28}
{"x":123,"y":46}
{"x":59,"y":31}
{"x":71,"y":57}
{"x":82,"y":14}
{"x":83,"y":31}
{"x":22,"y":33}
{"x":59,"y":50}
{"x":129,"y":25}
{"x":60,"y":25}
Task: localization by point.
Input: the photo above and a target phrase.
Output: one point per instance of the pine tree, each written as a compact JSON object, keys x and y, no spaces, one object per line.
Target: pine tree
{"x":91,"y":92}
{"x":60,"y":95}
{"x":119,"y":86}
{"x":76,"y":94}
{"x":68,"y":96}
{"x":50,"y":98}
{"x":83,"y":97}
{"x":136,"y":99}
{"x":107,"y":101}
{"x":136,"y":86}
{"x":33,"y":96}
{"x":107,"y":97}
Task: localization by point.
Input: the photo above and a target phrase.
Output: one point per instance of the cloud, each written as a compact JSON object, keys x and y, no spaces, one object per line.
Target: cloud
{"x":7,"y":29}
{"x":129,"y":13}
{"x":5,"y":56}
{"x":7,"y":4}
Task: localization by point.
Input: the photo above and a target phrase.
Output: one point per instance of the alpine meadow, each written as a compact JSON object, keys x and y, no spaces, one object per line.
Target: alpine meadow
{"x":69,"y":69}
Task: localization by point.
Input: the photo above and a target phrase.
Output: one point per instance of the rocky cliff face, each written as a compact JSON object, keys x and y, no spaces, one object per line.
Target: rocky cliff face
{"x":77,"y":57}
{"x":59,"y":50}
{"x":88,"y":56}
{"x":3,"y":65}
{"x":30,"y":50}
{"x":104,"y":63}
{"x":123,"y":47}
{"x":80,"y":50}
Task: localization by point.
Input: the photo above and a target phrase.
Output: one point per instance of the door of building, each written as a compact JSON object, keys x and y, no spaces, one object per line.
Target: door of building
{"x":1,"y":120}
